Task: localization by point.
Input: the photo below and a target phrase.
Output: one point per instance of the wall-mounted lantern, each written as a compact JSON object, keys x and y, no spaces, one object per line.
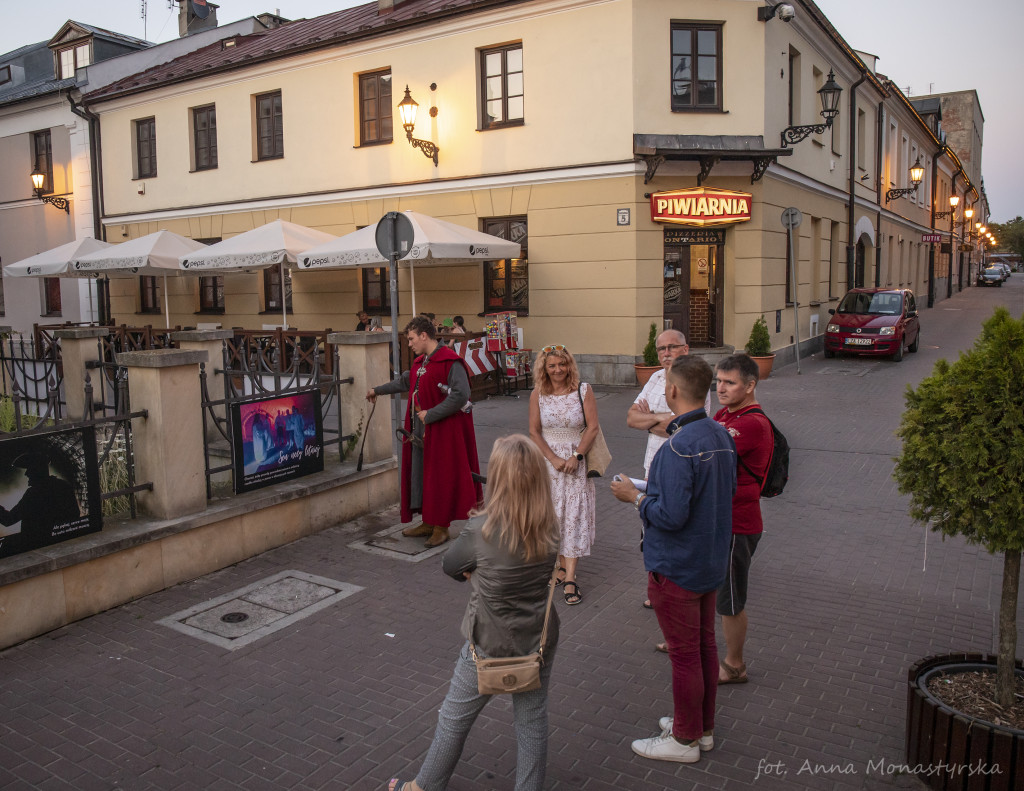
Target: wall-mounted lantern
{"x":829,"y":95}
{"x":38,"y":180}
{"x":407,"y":110}
{"x":916,"y":174}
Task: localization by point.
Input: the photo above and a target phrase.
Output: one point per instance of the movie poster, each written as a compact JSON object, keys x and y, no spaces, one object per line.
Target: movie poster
{"x":277,"y":439}
{"x":49,"y":489}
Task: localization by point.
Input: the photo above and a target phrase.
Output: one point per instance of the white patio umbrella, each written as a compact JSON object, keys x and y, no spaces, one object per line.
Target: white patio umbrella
{"x":434,"y":242}
{"x":276,"y":243}
{"x":55,"y":262}
{"x":155,"y":254}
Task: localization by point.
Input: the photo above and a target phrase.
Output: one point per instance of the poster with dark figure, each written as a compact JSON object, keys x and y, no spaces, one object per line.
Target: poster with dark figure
{"x":276,"y":439}
{"x":49,"y":489}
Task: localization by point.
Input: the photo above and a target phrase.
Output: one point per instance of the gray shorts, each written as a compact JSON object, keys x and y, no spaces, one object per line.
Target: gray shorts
{"x":732,"y":594}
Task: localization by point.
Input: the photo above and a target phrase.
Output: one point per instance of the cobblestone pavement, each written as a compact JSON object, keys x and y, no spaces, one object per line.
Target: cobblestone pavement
{"x":846,"y":593}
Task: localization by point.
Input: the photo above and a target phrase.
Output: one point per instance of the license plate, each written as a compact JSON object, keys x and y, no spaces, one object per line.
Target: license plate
{"x":859,"y":341}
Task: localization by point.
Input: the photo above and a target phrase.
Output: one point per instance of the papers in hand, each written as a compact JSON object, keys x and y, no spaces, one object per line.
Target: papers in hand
{"x":640,"y":484}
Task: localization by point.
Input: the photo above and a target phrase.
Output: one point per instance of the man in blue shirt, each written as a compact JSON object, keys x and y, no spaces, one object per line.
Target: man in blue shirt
{"x":687,"y":520}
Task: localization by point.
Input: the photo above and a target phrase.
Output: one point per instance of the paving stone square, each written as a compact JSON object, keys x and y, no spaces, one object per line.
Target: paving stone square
{"x":846,"y":593}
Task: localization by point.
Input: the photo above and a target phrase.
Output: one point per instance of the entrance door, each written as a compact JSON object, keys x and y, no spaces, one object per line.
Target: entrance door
{"x":693,"y":280}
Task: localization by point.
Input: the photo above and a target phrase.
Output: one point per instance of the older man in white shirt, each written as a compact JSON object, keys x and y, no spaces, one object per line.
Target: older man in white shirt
{"x":650,"y":411}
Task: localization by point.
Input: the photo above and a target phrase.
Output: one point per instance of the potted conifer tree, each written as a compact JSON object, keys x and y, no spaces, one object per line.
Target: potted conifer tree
{"x":962,"y":464}
{"x":650,"y":364}
{"x":759,"y":347}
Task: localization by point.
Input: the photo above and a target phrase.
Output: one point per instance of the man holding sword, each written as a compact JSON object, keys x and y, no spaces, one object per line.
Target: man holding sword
{"x":439,"y":443}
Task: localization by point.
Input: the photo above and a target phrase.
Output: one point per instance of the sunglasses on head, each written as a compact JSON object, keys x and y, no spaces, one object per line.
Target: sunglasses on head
{"x":549,"y":349}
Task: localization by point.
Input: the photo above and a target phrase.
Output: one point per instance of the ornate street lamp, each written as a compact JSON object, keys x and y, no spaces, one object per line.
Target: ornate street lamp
{"x":38,"y":182}
{"x":407,"y":110}
{"x":916,"y":174}
{"x":829,"y":95}
{"x":954,"y":201}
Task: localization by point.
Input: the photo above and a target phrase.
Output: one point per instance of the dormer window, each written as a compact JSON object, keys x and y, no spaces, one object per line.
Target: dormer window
{"x":5,"y":74}
{"x":228,"y":42}
{"x":70,"y":59}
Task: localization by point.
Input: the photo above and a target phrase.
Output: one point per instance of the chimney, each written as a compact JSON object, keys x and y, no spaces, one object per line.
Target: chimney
{"x":385,"y":7}
{"x":189,"y":21}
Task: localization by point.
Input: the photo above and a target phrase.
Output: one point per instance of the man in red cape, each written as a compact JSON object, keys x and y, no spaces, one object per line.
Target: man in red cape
{"x":439,"y":451}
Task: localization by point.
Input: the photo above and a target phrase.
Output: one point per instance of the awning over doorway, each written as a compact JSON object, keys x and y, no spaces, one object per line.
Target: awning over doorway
{"x":708,"y":150}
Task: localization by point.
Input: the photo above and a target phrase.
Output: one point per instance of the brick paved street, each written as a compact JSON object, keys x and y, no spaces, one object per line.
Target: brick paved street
{"x":846,"y":592}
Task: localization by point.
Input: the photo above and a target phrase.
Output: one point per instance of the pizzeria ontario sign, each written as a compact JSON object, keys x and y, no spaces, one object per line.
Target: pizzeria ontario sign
{"x":700,"y":206}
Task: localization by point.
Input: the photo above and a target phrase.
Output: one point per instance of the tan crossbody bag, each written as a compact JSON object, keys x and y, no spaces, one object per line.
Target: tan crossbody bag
{"x":511,"y":674}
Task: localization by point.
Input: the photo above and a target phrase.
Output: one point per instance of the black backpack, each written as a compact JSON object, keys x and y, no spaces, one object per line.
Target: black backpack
{"x":777,"y":474}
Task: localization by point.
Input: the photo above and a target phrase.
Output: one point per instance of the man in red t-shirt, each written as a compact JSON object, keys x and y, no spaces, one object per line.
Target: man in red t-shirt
{"x":737,"y":379}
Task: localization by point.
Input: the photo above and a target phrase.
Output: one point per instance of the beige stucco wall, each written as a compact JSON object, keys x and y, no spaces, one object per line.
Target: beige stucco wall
{"x":594,"y":285}
{"x":319,"y":105}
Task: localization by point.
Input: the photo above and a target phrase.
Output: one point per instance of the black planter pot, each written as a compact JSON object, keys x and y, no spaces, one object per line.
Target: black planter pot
{"x":952,"y":751}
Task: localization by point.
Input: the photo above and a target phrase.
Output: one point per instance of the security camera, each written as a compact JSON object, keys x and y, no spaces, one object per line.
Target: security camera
{"x":786,"y":12}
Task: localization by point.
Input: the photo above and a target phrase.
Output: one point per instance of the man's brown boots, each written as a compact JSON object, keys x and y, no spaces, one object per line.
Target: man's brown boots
{"x":422,"y":529}
{"x":439,"y":536}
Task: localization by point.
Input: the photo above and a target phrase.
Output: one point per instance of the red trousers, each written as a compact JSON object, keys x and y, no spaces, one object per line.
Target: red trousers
{"x":687,"y":620}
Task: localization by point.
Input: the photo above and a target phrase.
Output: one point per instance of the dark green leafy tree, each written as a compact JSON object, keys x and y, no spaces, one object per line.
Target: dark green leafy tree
{"x":963,"y":460}
{"x":1010,"y":235}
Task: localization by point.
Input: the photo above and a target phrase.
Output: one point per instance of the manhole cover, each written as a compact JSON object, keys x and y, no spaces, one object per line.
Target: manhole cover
{"x":242,"y":616}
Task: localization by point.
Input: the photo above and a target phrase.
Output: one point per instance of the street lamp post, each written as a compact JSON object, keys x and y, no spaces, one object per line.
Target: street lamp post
{"x":954,"y":201}
{"x":965,"y":233}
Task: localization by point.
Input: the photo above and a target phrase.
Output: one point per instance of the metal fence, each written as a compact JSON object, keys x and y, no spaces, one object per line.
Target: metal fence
{"x":269,"y":364}
{"x":113,"y":440}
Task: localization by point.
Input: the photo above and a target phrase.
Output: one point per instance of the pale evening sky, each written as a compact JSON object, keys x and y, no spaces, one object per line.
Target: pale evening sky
{"x":930,"y":46}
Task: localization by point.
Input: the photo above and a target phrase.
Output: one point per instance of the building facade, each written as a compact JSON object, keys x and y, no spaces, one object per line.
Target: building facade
{"x":557,"y":123}
{"x":44,"y":128}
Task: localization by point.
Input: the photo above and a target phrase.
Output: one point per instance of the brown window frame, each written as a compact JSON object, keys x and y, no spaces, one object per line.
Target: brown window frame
{"x":42,"y":157}
{"x":505,"y":96}
{"x":211,"y":285}
{"x":503,"y":228}
{"x":376,"y":276}
{"x":145,"y":163}
{"x":211,"y":294}
{"x":207,"y":151}
{"x":276,"y":132}
{"x":695,"y":28}
{"x":272,"y":290}
{"x":51,"y":297}
{"x":149,"y":294}
{"x":381,"y":106}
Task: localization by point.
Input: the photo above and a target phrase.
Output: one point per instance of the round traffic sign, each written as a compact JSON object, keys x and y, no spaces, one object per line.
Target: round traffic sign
{"x":394,"y":235}
{"x":792,"y":217}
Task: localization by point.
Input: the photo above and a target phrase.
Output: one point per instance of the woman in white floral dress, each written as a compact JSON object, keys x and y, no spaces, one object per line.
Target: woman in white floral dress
{"x":557,"y":427}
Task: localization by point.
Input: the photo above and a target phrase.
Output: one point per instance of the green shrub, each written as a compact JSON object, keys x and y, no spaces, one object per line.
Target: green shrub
{"x":650,"y":352}
{"x":760,"y":342}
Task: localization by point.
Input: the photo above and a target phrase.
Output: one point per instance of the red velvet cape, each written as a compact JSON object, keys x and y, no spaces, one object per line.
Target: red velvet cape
{"x":449,"y":453}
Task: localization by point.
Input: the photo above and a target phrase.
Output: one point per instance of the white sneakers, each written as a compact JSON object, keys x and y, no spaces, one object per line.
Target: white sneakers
{"x":705,"y":742}
{"x":665,"y":748}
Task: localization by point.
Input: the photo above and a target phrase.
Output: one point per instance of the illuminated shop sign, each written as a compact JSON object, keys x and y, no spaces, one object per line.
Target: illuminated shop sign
{"x":700,"y":206}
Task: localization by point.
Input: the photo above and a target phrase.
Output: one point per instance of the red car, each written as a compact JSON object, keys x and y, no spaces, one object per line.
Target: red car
{"x":876,"y":321}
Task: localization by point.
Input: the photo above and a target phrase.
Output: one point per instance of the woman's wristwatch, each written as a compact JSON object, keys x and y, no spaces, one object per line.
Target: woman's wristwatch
{"x":579,"y":456}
